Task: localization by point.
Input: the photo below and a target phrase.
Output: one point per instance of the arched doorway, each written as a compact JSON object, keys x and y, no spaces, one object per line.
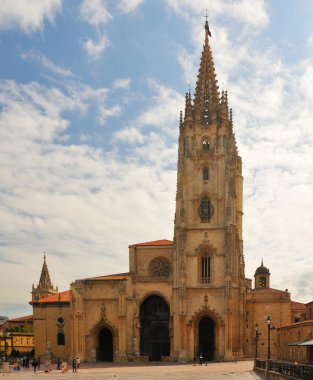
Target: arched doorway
{"x":154,"y":333}
{"x":105,"y":347}
{"x":207,"y":338}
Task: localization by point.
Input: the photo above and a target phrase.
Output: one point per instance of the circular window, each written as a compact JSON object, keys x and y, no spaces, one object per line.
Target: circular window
{"x":160,"y":268}
{"x":60,"y":321}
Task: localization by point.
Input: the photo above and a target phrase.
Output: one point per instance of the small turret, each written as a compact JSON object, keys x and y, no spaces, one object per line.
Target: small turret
{"x":45,"y":287}
{"x":262,"y":277}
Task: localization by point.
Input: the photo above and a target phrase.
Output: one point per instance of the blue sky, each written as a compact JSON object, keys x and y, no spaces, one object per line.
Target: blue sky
{"x":89,"y":103}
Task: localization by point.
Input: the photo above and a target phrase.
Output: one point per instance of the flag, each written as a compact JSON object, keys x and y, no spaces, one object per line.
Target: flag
{"x":207,"y":29}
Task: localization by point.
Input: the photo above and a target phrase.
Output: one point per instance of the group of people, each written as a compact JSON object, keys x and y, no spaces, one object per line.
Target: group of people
{"x":75,"y":364}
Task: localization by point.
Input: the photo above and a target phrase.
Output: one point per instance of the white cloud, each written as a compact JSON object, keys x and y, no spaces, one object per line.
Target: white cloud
{"x":127,"y":6}
{"x":163,"y":109}
{"x":94,"y":49}
{"x":45,"y":62}
{"x":95,"y":12}
{"x":29,"y":15}
{"x":130,"y":135}
{"x":121,"y":83}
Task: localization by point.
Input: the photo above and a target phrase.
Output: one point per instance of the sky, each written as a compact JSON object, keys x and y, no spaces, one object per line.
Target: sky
{"x":90,"y":97}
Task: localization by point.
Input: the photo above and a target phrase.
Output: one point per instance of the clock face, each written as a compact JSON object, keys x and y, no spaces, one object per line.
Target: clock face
{"x":205,"y":209}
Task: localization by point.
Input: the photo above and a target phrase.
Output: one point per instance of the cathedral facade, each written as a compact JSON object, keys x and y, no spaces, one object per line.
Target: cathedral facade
{"x":183,"y":297}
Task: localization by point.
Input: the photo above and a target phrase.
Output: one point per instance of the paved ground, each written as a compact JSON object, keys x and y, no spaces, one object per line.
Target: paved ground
{"x":151,"y":371}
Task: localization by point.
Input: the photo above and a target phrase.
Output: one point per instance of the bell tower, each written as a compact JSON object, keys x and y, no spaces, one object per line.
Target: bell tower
{"x":209,"y":264}
{"x":45,"y":287}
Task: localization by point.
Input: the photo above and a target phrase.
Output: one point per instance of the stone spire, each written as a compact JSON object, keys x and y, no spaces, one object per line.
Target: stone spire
{"x":206,"y":102}
{"x":45,"y":286}
{"x":45,"y":281}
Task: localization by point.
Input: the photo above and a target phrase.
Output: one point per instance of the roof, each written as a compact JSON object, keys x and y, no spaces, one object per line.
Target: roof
{"x":269,"y":290}
{"x":22,"y":319}
{"x":154,"y":243}
{"x":295,"y":324}
{"x":297,"y":305}
{"x":117,"y":276}
{"x":58,"y":297}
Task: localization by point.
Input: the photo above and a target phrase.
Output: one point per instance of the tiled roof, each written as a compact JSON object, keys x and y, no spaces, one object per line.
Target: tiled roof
{"x":297,"y":305}
{"x":155,"y":242}
{"x":22,"y":319}
{"x":118,"y":276}
{"x":58,"y":297}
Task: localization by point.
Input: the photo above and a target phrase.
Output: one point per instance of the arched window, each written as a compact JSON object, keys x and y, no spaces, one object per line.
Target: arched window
{"x":61,"y":339}
{"x":205,"y":209}
{"x":205,"y":174}
{"x":205,"y":145}
{"x":205,"y":268}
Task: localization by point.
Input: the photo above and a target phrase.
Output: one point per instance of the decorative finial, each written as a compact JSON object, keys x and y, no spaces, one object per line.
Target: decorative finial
{"x":189,"y":89}
{"x":44,"y":256}
{"x":262,"y":263}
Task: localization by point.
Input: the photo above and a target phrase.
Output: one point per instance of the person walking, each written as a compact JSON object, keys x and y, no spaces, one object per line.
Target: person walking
{"x":59,"y":363}
{"x":74,"y":365}
{"x":201,"y":359}
{"x":78,"y":362}
{"x":35,"y":364}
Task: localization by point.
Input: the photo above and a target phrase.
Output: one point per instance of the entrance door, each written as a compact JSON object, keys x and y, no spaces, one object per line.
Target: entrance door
{"x":207,"y":338}
{"x":105,"y":351}
{"x":154,"y":333}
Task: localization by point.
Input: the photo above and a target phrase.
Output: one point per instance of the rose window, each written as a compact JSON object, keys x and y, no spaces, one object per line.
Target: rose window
{"x":160,"y":268}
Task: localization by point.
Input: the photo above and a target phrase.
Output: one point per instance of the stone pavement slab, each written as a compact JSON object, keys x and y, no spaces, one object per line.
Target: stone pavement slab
{"x":150,"y":371}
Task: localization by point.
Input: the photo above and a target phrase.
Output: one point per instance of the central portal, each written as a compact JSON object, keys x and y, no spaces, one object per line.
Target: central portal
{"x":154,"y":333}
{"x":207,"y":338}
{"x":105,"y":350}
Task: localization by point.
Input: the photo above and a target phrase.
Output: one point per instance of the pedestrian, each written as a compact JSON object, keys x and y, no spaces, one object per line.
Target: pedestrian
{"x":78,"y":362}
{"x":38,"y":362}
{"x":201,"y":359}
{"x":59,"y":363}
{"x":74,"y":365}
{"x":35,"y":364}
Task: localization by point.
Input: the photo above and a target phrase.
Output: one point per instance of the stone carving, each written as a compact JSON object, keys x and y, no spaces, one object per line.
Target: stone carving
{"x":103,"y":316}
{"x":122,"y":287}
{"x":228,"y":289}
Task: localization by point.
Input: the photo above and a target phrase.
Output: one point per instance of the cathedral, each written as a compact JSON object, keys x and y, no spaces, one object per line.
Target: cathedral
{"x":183,"y":297}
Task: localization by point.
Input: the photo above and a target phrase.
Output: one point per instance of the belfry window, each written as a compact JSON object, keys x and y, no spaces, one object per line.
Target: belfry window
{"x":205,"y":145}
{"x":262,"y":282}
{"x":61,"y":339}
{"x":205,"y":174}
{"x":205,"y":268}
{"x":205,"y":210}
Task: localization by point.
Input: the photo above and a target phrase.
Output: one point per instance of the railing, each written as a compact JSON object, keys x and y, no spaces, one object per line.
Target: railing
{"x":299,"y":371}
{"x":261,"y":364}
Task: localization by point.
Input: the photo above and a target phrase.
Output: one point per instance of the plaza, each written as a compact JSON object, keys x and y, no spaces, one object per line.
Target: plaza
{"x":242,"y":370}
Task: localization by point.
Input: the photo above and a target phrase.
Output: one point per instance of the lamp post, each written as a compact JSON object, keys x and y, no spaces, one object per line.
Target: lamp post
{"x":5,"y":346}
{"x":269,"y":321}
{"x":257,"y":334}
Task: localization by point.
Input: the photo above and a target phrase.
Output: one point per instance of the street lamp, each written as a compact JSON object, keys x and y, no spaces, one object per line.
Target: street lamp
{"x":269,"y":321}
{"x":5,"y":345}
{"x":257,"y":334}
